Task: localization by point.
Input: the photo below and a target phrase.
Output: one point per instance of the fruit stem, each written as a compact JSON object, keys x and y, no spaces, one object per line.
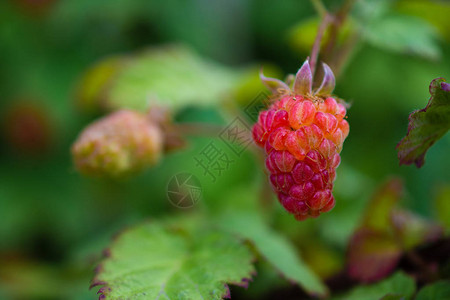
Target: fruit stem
{"x":319,"y":7}
{"x":343,"y":55}
{"x":326,"y":20}
{"x":338,"y":20}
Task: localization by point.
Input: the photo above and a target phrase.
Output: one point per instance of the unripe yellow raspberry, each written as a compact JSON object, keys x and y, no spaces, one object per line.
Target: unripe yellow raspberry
{"x":121,"y":143}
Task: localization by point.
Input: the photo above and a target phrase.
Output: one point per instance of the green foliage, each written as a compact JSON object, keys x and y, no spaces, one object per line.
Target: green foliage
{"x":381,"y":26}
{"x":435,"y":12}
{"x":412,"y":230}
{"x":238,"y":212}
{"x":38,"y":280}
{"x":370,"y":11}
{"x":372,"y":255}
{"x":151,"y":261}
{"x":377,"y":215}
{"x":52,"y":219}
{"x":377,"y":25}
{"x":385,"y":234}
{"x":398,"y":284}
{"x":404,"y":34}
{"x":94,"y":83}
{"x":426,"y":126}
{"x":274,"y":248}
{"x":442,"y":206}
{"x":172,"y":76}
{"x":436,"y":291}
{"x":303,"y":34}
{"x":393,"y":297}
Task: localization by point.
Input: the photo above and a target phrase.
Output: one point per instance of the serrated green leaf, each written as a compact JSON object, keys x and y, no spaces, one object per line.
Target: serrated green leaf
{"x":403,"y":34}
{"x":436,"y":291}
{"x":275,"y":249}
{"x":398,"y":284}
{"x":427,"y":125}
{"x":171,"y":76}
{"x":152,"y":262}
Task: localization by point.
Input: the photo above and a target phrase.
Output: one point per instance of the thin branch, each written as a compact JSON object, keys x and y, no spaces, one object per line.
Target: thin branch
{"x":342,"y":56}
{"x":346,"y":7}
{"x":338,"y":21}
{"x":327,"y":18}
{"x":319,"y":7}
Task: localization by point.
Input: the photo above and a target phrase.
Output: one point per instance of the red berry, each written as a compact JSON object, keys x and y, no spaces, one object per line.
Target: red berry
{"x":277,"y":138}
{"x":302,"y":133}
{"x":303,"y":191}
{"x":301,"y":114}
{"x":302,"y":172}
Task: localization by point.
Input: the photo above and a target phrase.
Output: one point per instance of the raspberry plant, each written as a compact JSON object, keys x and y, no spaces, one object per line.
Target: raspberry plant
{"x":191,"y":177}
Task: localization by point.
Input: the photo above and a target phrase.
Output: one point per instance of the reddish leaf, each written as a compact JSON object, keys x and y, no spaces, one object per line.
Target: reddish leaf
{"x":427,"y":125}
{"x":372,"y":255}
{"x":412,"y":230}
{"x":377,"y":215}
{"x":373,"y":252}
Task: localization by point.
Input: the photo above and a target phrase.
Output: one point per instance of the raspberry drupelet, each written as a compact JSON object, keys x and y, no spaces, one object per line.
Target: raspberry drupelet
{"x":302,"y":133}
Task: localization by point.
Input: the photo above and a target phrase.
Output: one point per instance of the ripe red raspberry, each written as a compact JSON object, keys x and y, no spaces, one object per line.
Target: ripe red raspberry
{"x":302,"y":133}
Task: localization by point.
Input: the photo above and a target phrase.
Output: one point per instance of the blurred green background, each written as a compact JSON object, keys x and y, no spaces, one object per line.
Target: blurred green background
{"x":54,"y":222}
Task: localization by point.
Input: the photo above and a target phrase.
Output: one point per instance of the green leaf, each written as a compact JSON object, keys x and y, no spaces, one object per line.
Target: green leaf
{"x":94,"y":82}
{"x":368,"y":11}
{"x":436,"y":291}
{"x":151,"y":261}
{"x":30,"y":279}
{"x":435,"y":12}
{"x":427,"y":125}
{"x":442,"y":206}
{"x":324,"y":260}
{"x":170,"y":76}
{"x":276,"y":249}
{"x":398,"y":284}
{"x":393,"y":297}
{"x":403,"y":34}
